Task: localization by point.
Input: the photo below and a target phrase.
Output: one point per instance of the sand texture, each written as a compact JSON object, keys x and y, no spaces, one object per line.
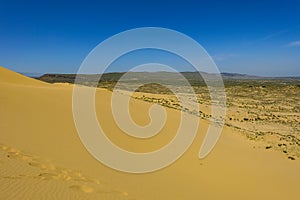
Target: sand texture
{"x":42,"y":157}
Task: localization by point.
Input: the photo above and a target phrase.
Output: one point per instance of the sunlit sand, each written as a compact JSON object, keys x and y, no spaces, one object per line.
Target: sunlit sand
{"x":42,"y":157}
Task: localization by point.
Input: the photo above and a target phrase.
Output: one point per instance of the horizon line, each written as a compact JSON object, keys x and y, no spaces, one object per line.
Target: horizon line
{"x":222,"y":73}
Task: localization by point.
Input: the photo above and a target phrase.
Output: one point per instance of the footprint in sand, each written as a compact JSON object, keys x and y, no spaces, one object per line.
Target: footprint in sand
{"x":47,"y":166}
{"x":47,"y":176}
{"x":124,"y":194}
{"x":83,"y":188}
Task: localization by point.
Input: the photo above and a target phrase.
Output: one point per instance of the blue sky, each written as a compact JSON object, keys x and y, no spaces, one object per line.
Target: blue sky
{"x":252,"y":37}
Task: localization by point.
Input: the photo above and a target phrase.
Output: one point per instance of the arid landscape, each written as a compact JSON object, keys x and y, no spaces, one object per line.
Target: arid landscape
{"x":266,"y":111}
{"x":149,"y":100}
{"x":257,"y":156}
{"x":263,"y":109}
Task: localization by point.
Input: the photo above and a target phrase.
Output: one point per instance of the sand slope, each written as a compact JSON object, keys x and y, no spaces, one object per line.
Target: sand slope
{"x":8,"y":76}
{"x":23,"y":176}
{"x":36,"y":118}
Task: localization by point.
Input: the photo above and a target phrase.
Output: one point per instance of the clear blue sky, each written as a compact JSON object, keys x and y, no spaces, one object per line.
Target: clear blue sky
{"x":253,"y":37}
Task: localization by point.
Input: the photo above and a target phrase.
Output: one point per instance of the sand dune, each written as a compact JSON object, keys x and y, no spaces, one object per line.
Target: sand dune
{"x":36,"y":118}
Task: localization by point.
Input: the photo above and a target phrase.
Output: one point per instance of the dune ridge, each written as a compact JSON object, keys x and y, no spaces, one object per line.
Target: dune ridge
{"x":8,"y":76}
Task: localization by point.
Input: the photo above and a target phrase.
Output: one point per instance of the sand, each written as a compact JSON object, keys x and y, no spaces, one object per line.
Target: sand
{"x":42,"y":157}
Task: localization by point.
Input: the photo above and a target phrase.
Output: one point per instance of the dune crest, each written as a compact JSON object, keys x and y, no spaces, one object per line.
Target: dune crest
{"x":8,"y":76}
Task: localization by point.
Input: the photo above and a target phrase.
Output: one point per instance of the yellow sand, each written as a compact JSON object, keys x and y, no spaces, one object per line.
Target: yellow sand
{"x":40,"y":145}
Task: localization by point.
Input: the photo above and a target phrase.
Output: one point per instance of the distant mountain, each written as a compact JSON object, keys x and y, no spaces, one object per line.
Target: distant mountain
{"x":226,"y":75}
{"x":166,"y":77}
